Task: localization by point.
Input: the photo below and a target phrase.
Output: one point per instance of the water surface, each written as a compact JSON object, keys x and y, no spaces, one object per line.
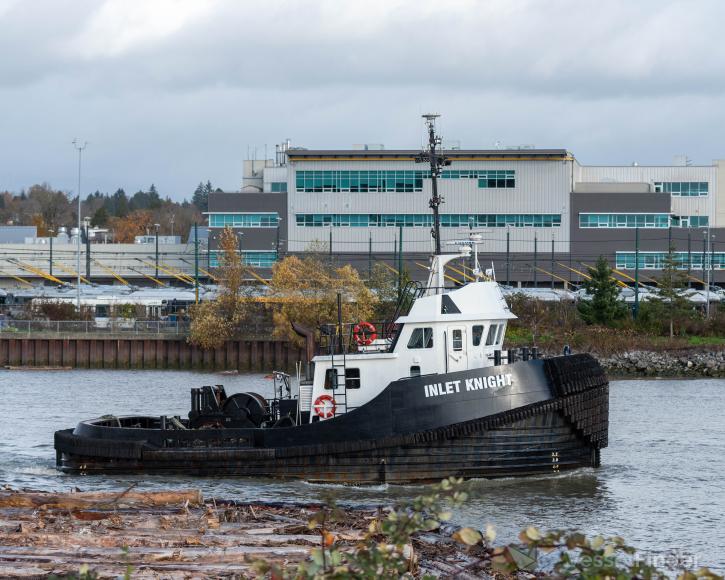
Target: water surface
{"x":661,"y":484}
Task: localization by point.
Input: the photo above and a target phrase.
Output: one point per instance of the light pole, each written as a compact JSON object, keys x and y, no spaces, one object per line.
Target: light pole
{"x":636,"y":272}
{"x":51,"y":231}
{"x":79,"y":148}
{"x":710,"y":239}
{"x":172,"y":225}
{"x":156,"y":238}
{"x":87,"y":222}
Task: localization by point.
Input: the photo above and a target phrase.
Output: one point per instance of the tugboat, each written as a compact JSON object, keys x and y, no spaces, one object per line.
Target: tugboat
{"x":429,"y":395}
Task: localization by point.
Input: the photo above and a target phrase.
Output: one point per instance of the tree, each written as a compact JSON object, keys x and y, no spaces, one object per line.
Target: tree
{"x":670,"y":285}
{"x":605,"y":306}
{"x":100,"y":218}
{"x":306,"y":291}
{"x":215,"y":321}
{"x":52,"y":207}
{"x":201,"y":196}
{"x":117,"y":204}
{"x":134,"y":224}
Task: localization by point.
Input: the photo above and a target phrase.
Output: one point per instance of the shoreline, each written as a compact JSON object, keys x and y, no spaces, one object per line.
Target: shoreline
{"x":177,"y":533}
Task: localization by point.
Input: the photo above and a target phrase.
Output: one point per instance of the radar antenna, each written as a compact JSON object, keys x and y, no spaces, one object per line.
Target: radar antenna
{"x":437,"y":162}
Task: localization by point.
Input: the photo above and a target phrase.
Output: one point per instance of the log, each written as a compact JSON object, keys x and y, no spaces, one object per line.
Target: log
{"x":99,"y":500}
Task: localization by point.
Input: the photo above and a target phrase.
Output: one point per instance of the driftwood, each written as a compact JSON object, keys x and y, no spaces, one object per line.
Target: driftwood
{"x":89,"y":500}
{"x":174,"y":534}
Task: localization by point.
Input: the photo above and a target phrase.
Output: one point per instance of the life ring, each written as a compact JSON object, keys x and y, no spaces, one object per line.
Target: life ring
{"x":364,"y":333}
{"x":324,"y":406}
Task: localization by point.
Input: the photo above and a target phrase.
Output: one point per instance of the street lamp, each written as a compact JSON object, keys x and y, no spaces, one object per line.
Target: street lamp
{"x":79,"y":148}
{"x":87,"y":222}
{"x":156,"y":237}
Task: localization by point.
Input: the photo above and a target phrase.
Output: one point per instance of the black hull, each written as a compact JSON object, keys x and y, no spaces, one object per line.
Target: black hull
{"x":561,"y":423}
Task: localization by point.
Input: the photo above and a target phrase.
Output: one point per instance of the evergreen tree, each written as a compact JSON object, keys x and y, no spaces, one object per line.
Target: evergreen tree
{"x":100,"y":218}
{"x":117,"y":204}
{"x":604,"y":307}
{"x":201,"y":196}
{"x":670,"y":285}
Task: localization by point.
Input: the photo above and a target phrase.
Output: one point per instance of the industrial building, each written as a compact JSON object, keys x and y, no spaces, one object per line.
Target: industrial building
{"x":543,"y":216}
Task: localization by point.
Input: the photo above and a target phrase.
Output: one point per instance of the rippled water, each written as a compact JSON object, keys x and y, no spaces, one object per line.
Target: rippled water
{"x":661,"y":485}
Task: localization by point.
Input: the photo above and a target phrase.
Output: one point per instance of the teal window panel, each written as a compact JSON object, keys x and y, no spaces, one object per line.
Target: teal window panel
{"x":426,"y":220}
{"x":622,"y":221}
{"x":683,"y":188}
{"x":656,"y":260}
{"x":278,"y":187}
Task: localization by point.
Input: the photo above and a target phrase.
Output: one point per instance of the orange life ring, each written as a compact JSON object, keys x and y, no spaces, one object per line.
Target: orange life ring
{"x":324,"y":406}
{"x":364,"y":333}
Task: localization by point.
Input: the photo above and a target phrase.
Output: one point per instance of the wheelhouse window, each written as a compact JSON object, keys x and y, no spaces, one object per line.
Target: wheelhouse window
{"x":352,"y":378}
{"x":415,"y":371}
{"x":499,"y":334}
{"x":477,"y":334}
{"x":491,"y":336}
{"x":421,"y":338}
{"x":331,"y":378}
{"x":457,"y":339}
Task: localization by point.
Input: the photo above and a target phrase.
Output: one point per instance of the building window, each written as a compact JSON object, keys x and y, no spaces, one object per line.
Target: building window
{"x":500,"y":179}
{"x":244,"y":220}
{"x":396,"y":181}
{"x":257,"y":259}
{"x":683,"y":188}
{"x":352,"y":378}
{"x":656,"y":260}
{"x":279,"y":186}
{"x":623,"y":220}
{"x":421,"y":338}
{"x":317,"y":220}
{"x":477,"y":334}
{"x":690,"y":221}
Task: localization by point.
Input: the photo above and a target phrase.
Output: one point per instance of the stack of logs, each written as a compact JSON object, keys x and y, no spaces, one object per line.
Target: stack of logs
{"x":176,"y":534}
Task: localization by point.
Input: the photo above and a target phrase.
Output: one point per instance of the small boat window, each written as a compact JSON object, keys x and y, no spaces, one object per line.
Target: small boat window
{"x":330,"y":378}
{"x":457,"y":339}
{"x":415,"y":371}
{"x":499,"y":335}
{"x":477,"y":334}
{"x":421,"y":338}
{"x":352,"y":378}
{"x":491,"y":337}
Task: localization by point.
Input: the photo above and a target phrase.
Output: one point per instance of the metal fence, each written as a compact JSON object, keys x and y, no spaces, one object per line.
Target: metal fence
{"x":11,"y":327}
{"x":101,"y":327}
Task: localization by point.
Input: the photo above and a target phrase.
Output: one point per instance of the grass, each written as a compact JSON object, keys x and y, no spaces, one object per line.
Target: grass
{"x":706,"y":340}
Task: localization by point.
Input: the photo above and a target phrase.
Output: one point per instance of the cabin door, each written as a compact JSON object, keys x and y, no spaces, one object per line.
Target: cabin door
{"x":457,"y":353}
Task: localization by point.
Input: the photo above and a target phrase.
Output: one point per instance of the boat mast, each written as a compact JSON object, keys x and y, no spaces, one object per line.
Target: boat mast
{"x":437,"y":161}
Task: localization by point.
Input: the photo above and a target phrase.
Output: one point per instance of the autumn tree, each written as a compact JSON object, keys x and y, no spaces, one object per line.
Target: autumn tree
{"x":48,"y":208}
{"x":213,"y":322}
{"x":134,"y":224}
{"x":305,"y":291}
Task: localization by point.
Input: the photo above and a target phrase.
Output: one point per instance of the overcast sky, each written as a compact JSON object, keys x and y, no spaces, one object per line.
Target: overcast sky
{"x":177,"y":91}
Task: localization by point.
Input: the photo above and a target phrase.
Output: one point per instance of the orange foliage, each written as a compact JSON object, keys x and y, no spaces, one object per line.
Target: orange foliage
{"x":137,"y":223}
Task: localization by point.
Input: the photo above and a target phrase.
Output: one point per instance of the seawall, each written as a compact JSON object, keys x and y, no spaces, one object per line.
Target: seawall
{"x":145,"y":353}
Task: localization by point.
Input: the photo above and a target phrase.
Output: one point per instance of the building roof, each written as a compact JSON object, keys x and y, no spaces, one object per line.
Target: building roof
{"x":16,"y":234}
{"x":409,"y":154}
